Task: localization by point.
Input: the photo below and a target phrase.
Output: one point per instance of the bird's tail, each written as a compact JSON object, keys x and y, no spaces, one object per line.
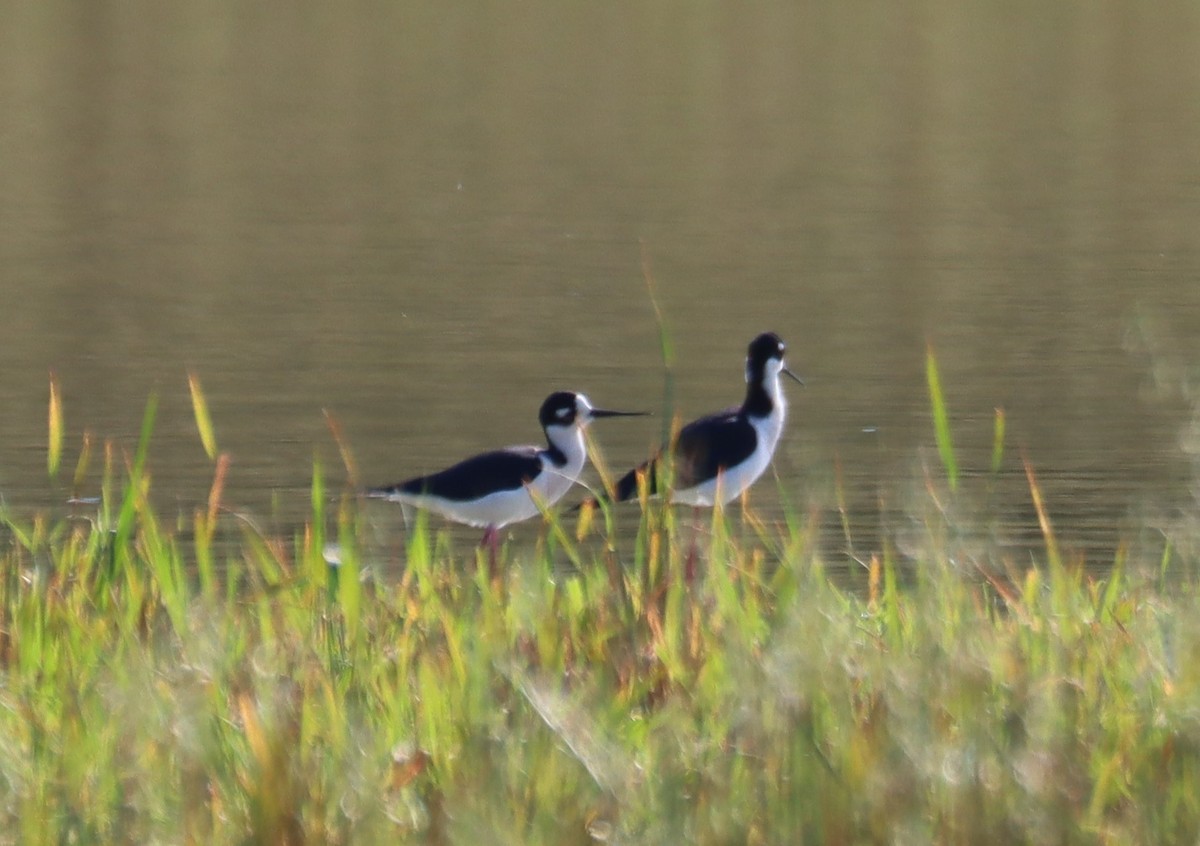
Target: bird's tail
{"x":626,"y":487}
{"x":390,"y":492}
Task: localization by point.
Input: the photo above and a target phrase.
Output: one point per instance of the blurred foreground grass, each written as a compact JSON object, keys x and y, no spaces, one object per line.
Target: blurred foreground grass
{"x":208,"y":684}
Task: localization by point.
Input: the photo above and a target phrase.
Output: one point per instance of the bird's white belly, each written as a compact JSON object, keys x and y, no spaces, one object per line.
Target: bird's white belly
{"x":497,"y":509}
{"x":503,"y":507}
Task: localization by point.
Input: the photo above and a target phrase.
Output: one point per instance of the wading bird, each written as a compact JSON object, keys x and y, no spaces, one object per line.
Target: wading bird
{"x":717,"y":457}
{"x":507,"y":485}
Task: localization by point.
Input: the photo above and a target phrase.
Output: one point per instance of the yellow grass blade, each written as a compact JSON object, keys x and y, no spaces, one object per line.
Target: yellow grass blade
{"x":203,"y":421}
{"x":335,"y":429}
{"x":54,"y":453}
{"x":1043,"y":518}
{"x":214,"y":493}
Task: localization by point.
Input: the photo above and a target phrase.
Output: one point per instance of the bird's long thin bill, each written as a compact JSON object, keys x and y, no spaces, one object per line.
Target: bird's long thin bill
{"x":794,"y":376}
{"x":602,"y":412}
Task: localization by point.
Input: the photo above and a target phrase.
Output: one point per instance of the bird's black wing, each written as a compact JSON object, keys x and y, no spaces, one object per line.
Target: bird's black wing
{"x":711,"y":444}
{"x":704,"y":447}
{"x":475,"y":477}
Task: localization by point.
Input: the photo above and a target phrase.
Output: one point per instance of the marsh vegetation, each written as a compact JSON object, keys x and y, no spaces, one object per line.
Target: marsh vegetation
{"x":634,"y":677}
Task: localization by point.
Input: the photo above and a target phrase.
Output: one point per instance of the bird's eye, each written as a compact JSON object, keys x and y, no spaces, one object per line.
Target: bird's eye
{"x":563,"y":412}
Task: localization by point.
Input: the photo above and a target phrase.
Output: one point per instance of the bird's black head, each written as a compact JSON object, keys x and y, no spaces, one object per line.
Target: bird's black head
{"x":765,"y":349}
{"x":766,"y":346}
{"x":559,"y":409}
{"x":567,"y":408}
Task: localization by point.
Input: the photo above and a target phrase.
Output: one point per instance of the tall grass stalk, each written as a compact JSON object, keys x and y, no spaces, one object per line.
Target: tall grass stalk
{"x":55,"y":428}
{"x":941,"y":419}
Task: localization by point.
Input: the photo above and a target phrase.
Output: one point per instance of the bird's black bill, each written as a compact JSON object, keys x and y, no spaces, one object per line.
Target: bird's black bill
{"x":794,"y":376}
{"x":601,"y":412}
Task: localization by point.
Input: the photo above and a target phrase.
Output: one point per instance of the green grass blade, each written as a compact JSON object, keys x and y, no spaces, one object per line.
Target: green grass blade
{"x":125,"y":520}
{"x":81,"y":466}
{"x":998,"y":442}
{"x":315,"y":541}
{"x":1114,"y":584}
{"x":666,"y":348}
{"x":941,"y":419}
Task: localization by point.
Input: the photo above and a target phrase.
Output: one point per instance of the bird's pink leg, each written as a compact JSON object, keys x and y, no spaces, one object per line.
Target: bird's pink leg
{"x":689,"y":565}
{"x":491,"y":539}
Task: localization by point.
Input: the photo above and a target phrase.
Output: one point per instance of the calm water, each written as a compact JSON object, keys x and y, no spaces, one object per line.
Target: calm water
{"x":425,"y":217}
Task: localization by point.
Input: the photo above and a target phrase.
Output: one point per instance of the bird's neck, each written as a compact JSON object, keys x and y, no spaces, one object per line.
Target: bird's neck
{"x":764,"y":395}
{"x":565,"y":447}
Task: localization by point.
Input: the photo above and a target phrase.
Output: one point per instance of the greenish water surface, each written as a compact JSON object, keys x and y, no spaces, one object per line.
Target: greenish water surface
{"x":423,"y":218}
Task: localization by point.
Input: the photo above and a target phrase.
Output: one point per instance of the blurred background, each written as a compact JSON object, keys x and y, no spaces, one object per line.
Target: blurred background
{"x":425,"y":217}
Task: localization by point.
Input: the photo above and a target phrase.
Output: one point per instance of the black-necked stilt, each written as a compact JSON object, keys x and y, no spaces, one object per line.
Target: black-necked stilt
{"x":507,"y":485}
{"x":717,"y":457}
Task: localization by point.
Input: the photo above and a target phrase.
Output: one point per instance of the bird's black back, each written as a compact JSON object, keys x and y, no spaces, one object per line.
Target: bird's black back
{"x":475,"y":477}
{"x":704,"y":448}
